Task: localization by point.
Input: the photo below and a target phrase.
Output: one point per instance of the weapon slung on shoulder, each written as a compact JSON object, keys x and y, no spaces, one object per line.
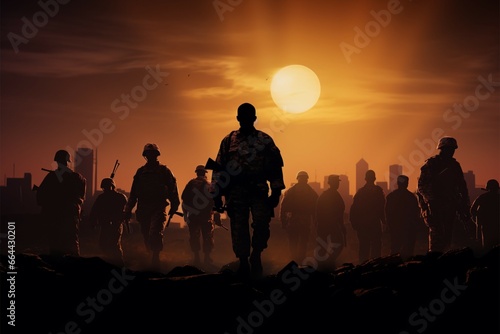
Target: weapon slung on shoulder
{"x":213,"y":165}
{"x":114,"y":169}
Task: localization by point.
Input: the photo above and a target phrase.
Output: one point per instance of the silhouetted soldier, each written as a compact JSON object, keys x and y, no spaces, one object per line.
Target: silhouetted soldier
{"x":297,"y":214}
{"x":251,"y":164}
{"x":443,"y":195}
{"x":197,"y":205}
{"x":402,"y":213}
{"x":153,"y":189}
{"x":367,"y":217}
{"x":330,"y":209}
{"x":61,"y":195}
{"x":107,"y":213}
{"x":485,"y":211}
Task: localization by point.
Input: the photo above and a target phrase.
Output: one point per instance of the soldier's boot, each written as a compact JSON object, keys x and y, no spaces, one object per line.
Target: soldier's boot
{"x":244,"y":267}
{"x":256,"y":263}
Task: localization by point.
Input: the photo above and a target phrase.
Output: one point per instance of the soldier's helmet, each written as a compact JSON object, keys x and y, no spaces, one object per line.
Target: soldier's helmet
{"x":302,"y":173}
{"x":108,"y":182}
{"x":200,"y":169}
{"x":447,"y":142}
{"x":492,"y":185}
{"x":150,"y":148}
{"x":62,"y":156}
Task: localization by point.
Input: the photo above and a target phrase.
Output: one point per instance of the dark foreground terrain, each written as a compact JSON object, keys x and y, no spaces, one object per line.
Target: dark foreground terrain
{"x":455,"y":292}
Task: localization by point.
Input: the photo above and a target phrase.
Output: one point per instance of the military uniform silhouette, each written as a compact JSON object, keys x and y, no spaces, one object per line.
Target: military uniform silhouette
{"x":107,"y":213}
{"x":251,"y":164}
{"x":444,"y":195}
{"x":197,"y":205}
{"x":61,"y":195}
{"x":330,"y":209}
{"x":297,"y":214}
{"x":485,"y":210}
{"x":367,"y":218}
{"x":402,"y":213}
{"x":153,"y":189}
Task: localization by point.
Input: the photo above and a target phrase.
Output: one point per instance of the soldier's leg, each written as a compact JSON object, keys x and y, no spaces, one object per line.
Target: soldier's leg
{"x":261,"y":217}
{"x":437,"y":231}
{"x":194,"y":236}
{"x":238,"y":210}
{"x":207,"y":232}
{"x":156,"y":230}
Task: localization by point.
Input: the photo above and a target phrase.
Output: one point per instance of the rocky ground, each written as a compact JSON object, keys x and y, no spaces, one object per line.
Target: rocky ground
{"x":433,"y":293}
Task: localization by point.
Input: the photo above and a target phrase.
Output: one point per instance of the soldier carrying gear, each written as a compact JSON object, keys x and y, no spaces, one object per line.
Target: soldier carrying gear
{"x":255,"y":164}
{"x":154,"y":187}
{"x":107,"y":212}
{"x":61,"y":195}
{"x":443,"y":195}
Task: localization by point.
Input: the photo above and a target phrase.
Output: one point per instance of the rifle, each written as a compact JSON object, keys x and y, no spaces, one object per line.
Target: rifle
{"x":114,"y":169}
{"x":175,"y":213}
{"x":217,"y":221}
{"x":35,"y":187}
{"x":125,"y":221}
{"x":213,"y":165}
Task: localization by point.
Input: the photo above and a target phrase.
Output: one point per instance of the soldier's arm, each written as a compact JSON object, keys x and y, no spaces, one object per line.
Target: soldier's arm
{"x":132,"y":200}
{"x":172,"y":191}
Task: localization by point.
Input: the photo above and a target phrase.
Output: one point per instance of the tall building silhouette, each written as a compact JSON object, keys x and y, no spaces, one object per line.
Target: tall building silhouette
{"x":361,"y":168}
{"x":394,"y":172}
{"x":18,"y":197}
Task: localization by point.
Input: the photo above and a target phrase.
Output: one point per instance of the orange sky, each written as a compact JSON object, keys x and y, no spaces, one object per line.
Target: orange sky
{"x":390,"y":72}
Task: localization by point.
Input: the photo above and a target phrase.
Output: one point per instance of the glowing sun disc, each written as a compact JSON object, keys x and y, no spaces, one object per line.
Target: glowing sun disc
{"x":295,"y":88}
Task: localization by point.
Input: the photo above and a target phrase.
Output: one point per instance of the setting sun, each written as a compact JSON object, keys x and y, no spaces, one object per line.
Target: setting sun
{"x":295,"y":88}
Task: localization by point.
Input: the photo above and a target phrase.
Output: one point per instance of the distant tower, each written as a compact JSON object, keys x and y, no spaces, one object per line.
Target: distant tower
{"x":394,"y":172}
{"x":361,"y":168}
{"x":85,"y":166}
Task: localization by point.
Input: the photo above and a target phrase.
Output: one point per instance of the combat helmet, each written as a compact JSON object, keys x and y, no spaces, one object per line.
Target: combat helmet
{"x":447,"y":142}
{"x":108,"y":182}
{"x":302,"y":173}
{"x":62,"y":156}
{"x":200,"y":169}
{"x":150,"y":148}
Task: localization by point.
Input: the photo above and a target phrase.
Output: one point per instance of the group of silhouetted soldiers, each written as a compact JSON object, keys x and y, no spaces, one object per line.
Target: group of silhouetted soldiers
{"x":248,"y":185}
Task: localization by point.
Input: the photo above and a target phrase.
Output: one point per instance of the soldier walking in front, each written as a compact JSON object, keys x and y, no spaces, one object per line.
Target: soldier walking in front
{"x":154,"y":187}
{"x":251,"y":165}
